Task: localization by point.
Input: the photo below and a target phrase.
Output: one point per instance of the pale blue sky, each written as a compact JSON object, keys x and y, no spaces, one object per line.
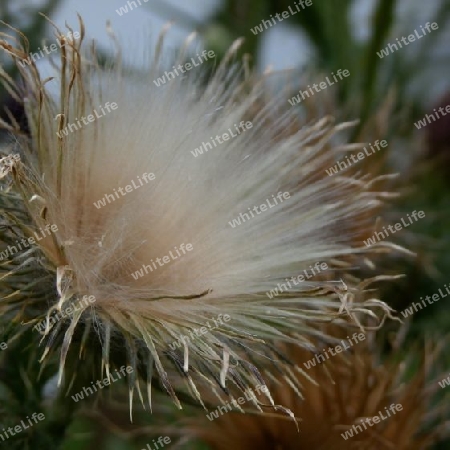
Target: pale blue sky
{"x":283,"y":46}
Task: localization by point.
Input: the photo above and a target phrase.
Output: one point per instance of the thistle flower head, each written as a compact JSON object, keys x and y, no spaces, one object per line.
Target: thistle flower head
{"x":358,"y":400}
{"x":168,"y":242}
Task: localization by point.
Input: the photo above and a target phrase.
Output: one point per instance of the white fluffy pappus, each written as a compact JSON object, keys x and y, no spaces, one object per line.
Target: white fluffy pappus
{"x":182,"y":217}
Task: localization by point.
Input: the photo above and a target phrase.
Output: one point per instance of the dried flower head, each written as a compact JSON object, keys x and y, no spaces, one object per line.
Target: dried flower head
{"x":358,"y":400}
{"x":167,"y":240}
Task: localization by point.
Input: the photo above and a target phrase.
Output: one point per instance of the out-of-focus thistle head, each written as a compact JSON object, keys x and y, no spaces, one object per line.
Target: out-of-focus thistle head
{"x":167,"y":242}
{"x":359,"y":400}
